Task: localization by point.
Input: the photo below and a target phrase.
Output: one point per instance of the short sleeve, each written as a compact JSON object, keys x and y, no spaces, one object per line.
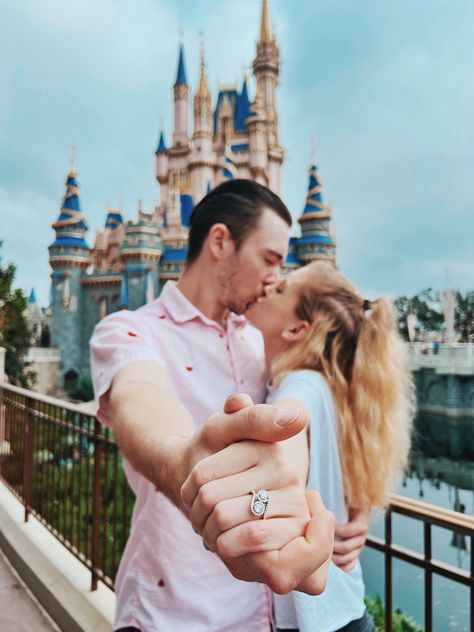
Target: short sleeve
{"x":310,"y":389}
{"x":118,"y":340}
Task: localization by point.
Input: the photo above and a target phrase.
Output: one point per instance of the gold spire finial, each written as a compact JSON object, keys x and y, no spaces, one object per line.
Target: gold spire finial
{"x":203,"y":89}
{"x":265,"y":33}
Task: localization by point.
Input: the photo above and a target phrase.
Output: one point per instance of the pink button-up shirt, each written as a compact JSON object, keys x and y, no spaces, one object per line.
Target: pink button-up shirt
{"x":166,"y":580}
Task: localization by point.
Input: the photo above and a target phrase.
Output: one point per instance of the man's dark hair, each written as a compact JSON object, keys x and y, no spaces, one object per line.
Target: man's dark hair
{"x":236,"y":203}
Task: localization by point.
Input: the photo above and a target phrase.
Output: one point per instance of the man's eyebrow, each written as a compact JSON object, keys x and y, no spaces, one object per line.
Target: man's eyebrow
{"x":275,"y":254}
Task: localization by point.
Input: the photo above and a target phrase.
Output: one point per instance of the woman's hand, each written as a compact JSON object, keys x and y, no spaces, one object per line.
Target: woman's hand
{"x":218,"y":495}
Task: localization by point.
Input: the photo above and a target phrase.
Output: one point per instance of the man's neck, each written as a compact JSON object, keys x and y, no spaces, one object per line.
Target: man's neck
{"x":196,"y":283}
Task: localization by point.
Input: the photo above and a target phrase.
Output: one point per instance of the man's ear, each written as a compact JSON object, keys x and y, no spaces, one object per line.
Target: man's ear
{"x":218,"y":239}
{"x":296,"y":332}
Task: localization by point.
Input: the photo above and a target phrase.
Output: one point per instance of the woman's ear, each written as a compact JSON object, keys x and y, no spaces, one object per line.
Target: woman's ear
{"x":296,"y":332}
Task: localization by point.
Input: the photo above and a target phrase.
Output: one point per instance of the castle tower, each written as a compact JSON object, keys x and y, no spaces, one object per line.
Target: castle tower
{"x":202,"y":158}
{"x":69,"y":256}
{"x":141,"y":253}
{"x":266,"y":67}
{"x":316,"y":242}
{"x":258,"y":141}
{"x":181,"y":104}
{"x":162,"y":173}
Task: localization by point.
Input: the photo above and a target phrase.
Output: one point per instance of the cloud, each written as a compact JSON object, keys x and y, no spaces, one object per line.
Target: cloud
{"x":387,"y":91}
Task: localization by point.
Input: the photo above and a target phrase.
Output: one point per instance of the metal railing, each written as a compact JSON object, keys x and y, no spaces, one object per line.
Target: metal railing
{"x":429,"y":516}
{"x":65,"y":468}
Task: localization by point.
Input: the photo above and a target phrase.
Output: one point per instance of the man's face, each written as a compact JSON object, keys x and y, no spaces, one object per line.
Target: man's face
{"x":256,"y":264}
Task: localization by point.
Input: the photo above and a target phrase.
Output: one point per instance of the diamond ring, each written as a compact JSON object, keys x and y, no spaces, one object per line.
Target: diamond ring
{"x":259,"y":503}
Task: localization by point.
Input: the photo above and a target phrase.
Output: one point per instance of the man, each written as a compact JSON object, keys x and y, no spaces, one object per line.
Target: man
{"x":159,"y":375}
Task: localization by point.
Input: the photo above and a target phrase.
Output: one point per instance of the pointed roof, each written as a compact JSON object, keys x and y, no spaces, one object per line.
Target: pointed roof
{"x":32,"y":299}
{"x":203,"y":88}
{"x":70,"y":213}
{"x":314,"y":199}
{"x":265,"y":33}
{"x":181,"y":74}
{"x":242,"y":109}
{"x":71,"y":224}
{"x":161,"y":149}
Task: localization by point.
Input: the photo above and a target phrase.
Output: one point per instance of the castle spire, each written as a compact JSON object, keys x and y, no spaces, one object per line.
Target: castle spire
{"x":181,"y":79}
{"x":203,"y":88}
{"x":316,"y":242}
{"x":265,"y":34}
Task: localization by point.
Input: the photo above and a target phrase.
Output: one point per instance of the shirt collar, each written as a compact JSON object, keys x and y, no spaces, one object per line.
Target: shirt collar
{"x":181,"y":310}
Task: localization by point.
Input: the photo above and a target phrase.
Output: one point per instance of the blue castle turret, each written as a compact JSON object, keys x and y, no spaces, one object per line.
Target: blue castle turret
{"x":316,"y":241}
{"x":69,"y":257}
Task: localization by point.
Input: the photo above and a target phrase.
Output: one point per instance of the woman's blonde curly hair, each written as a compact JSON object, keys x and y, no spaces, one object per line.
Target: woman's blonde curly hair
{"x":356,"y":347}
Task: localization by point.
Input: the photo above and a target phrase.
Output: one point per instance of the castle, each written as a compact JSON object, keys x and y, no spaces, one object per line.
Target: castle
{"x":130,"y":262}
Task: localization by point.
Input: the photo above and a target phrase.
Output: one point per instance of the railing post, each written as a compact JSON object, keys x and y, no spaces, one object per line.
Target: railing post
{"x":96,"y":502}
{"x":471,"y":590}
{"x":428,"y":579}
{"x":388,"y":571}
{"x":28,"y":457}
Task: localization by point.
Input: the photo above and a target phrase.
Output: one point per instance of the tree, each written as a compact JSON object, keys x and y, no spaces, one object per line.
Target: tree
{"x":464,"y":318}
{"x":427,"y":308}
{"x":15,"y":333}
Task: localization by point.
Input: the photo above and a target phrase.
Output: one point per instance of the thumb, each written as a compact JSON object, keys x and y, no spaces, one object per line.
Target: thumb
{"x":236,"y":402}
{"x":259,"y":422}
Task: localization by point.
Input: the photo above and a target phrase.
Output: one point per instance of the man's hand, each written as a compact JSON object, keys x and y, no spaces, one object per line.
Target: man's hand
{"x":350,"y":539}
{"x":283,"y":551}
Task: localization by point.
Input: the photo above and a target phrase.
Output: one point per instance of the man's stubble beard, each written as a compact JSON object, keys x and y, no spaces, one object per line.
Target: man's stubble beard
{"x":226,"y":282}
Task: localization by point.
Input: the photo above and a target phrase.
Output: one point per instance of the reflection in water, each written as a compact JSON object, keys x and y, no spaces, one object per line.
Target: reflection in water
{"x":435,"y":476}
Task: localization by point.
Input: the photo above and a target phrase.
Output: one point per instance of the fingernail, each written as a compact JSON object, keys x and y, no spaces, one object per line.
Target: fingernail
{"x":286,"y":416}
{"x":205,"y":545}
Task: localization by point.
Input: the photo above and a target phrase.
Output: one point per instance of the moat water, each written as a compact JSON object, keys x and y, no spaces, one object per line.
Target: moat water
{"x":435,"y":476}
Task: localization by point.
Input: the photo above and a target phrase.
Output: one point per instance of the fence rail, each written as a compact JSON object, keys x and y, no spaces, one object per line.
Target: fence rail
{"x":66,"y":470}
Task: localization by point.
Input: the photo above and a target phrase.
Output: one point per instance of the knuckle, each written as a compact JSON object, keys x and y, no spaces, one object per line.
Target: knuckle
{"x":223,"y":547}
{"x":206,"y":496}
{"x":281,"y":582}
{"x":255,"y":534}
{"x":199,"y":475}
{"x":221,"y":517}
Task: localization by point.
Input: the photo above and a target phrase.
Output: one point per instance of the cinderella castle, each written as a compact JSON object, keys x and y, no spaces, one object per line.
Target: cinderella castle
{"x":233,"y":136}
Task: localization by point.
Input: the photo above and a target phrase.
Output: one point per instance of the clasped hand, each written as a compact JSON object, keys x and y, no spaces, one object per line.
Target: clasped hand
{"x":291,"y":548}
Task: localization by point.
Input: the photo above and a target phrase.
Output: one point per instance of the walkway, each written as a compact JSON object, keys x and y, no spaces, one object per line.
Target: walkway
{"x":19,"y":610}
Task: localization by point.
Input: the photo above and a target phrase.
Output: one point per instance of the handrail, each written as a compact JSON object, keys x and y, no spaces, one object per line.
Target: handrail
{"x":430,"y":516}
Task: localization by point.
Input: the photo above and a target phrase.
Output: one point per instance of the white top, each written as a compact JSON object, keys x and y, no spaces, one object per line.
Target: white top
{"x":343,"y":599}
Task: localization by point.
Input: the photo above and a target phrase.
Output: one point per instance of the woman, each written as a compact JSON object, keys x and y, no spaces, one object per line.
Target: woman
{"x":342,"y":358}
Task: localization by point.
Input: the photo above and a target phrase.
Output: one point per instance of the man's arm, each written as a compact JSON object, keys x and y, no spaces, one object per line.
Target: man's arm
{"x":157,"y":435}
{"x":152,"y":426}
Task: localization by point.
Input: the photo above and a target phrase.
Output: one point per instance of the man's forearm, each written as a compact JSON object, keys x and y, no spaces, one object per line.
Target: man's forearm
{"x":151,"y":426}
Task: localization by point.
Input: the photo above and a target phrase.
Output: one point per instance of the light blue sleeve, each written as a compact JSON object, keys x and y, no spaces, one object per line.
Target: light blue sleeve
{"x":309,"y":388}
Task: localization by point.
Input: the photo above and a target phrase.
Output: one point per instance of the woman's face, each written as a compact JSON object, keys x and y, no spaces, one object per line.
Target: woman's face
{"x":274,"y":313}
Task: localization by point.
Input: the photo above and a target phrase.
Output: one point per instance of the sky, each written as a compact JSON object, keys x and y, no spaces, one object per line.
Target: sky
{"x":385,"y":89}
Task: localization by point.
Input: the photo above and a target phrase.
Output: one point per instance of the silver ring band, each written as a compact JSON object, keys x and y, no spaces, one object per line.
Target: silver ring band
{"x":259,"y":503}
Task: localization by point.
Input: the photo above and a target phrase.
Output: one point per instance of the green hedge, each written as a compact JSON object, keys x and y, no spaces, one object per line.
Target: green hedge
{"x":400,"y":622}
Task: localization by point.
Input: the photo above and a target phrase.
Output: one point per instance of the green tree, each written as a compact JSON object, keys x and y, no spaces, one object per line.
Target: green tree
{"x":464,"y":319}
{"x":84,"y":391}
{"x":15,"y":333}
{"x":425,"y":306}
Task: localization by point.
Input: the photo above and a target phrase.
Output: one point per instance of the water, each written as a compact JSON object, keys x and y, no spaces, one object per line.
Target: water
{"x":434,"y":477}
